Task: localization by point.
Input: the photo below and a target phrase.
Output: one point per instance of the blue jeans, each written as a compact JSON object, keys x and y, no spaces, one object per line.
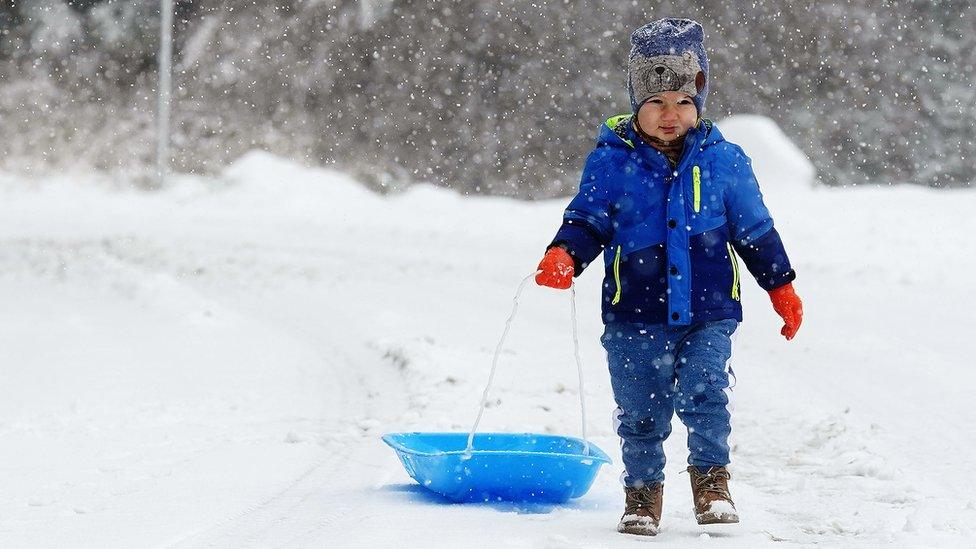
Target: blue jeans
{"x":656,"y":370}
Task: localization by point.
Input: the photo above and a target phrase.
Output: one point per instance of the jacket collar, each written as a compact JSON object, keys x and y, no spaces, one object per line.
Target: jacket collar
{"x":618,"y":131}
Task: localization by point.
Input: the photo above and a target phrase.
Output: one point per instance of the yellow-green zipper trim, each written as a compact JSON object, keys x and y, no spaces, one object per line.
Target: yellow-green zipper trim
{"x":616,"y":277}
{"x":735,"y":271}
{"x":696,"y":179}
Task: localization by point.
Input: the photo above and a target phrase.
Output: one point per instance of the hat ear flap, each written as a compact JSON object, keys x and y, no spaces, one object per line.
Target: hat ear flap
{"x":700,"y":81}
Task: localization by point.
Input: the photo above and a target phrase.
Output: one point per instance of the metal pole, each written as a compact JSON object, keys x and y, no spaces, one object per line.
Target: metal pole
{"x":162,"y":112}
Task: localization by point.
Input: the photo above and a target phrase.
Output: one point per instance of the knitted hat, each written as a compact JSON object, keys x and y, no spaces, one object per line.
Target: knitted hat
{"x":668,"y":55}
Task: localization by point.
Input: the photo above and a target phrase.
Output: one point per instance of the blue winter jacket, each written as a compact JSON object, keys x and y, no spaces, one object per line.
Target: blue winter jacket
{"x":668,"y":232}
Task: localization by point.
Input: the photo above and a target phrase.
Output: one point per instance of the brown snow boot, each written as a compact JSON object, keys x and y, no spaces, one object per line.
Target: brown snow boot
{"x":710,"y":490}
{"x":643,"y":512}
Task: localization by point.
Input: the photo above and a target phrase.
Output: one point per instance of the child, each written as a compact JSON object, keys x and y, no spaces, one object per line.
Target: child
{"x":667,"y":200}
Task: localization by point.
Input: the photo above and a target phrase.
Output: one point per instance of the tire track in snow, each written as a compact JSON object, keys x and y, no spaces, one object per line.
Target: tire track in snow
{"x":296,"y":510}
{"x":303,"y":507}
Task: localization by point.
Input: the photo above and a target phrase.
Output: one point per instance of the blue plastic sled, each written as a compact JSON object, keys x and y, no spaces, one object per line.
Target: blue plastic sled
{"x":520,"y":467}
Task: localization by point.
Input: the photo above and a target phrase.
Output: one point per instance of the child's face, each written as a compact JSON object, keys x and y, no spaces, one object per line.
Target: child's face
{"x":667,"y":115}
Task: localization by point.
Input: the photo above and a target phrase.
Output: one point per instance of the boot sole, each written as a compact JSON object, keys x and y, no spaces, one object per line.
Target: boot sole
{"x":717,"y":519}
{"x":637,"y":529}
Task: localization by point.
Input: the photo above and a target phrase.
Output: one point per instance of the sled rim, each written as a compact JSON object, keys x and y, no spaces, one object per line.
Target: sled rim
{"x":595,"y":455}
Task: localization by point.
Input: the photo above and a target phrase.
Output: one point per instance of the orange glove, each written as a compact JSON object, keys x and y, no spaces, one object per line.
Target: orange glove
{"x":787,"y":305}
{"x":557,"y":269}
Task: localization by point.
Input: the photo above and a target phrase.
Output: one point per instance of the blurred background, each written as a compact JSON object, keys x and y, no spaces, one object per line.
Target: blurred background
{"x":499,"y":98}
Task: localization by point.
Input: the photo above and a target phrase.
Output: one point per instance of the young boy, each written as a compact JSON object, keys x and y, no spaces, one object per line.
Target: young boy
{"x":667,"y":200}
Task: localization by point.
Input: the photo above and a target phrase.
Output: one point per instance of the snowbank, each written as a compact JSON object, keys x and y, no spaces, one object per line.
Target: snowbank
{"x":779,"y":164}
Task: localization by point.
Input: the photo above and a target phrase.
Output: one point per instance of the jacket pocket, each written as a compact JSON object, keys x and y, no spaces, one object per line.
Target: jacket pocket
{"x":616,"y":277}
{"x":735,"y":271}
{"x":696,"y":187}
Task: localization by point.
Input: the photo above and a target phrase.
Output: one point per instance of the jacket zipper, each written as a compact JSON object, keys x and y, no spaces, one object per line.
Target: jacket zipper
{"x":696,"y":179}
{"x":616,"y":277}
{"x":735,"y":271}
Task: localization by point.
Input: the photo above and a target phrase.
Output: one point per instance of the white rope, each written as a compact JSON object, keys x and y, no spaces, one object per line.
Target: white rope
{"x":579,"y":368}
{"x":498,"y":350}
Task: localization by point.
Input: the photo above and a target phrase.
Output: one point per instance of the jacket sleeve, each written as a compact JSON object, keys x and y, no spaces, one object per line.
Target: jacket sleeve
{"x":586,"y":227}
{"x":754,"y":237}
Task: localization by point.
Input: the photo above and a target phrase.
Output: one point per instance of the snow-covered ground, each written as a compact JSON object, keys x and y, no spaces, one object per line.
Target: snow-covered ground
{"x":214,"y":364}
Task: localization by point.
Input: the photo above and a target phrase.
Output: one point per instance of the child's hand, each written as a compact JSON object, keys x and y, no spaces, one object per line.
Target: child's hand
{"x":787,"y":305}
{"x":556,"y":269}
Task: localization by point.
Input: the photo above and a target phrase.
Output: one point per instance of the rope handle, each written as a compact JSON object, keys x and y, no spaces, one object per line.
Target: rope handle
{"x":498,"y":350}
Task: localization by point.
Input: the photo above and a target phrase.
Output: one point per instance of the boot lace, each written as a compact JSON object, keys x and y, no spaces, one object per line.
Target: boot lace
{"x":710,"y":482}
{"x":644,"y":497}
